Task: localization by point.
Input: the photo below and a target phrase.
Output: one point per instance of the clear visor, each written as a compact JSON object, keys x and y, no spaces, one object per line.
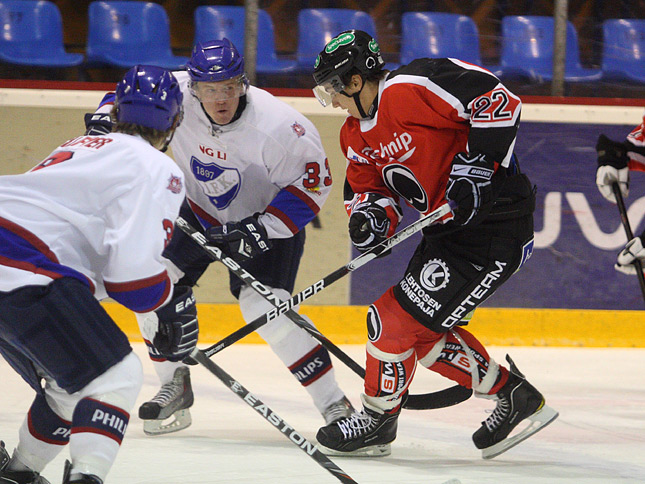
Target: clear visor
{"x":326,"y":91}
{"x":220,"y":91}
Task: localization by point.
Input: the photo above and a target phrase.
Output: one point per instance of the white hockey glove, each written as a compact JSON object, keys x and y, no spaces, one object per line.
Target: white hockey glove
{"x":469,"y":186}
{"x":177,"y":327}
{"x":612,"y":167}
{"x":633,"y":251}
{"x":242,"y":240}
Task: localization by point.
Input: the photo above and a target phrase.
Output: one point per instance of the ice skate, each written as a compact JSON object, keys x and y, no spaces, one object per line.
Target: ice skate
{"x":172,"y":401}
{"x":367,"y":433}
{"x":338,"y":410}
{"x":79,"y":479}
{"x":517,"y":400}
{"x":16,"y":477}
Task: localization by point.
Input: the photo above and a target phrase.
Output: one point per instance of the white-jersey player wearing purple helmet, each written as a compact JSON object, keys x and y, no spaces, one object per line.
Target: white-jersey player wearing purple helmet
{"x":91,"y":221}
{"x":256,"y":175}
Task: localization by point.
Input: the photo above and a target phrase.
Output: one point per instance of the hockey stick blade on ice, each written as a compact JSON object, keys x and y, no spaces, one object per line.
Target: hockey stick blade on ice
{"x":270,"y":416}
{"x":443,"y":398}
{"x":630,"y":235}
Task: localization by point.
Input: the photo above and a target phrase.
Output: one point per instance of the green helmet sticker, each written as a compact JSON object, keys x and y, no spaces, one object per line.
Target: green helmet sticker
{"x":373,"y":46}
{"x":336,"y":42}
{"x":317,"y":63}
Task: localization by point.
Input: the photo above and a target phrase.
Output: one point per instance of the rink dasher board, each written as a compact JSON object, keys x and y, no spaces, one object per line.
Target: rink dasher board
{"x":560,"y":113}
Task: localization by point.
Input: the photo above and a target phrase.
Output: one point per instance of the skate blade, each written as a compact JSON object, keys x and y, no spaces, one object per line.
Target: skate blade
{"x":181,"y":419}
{"x":371,"y":451}
{"x":539,"y":420}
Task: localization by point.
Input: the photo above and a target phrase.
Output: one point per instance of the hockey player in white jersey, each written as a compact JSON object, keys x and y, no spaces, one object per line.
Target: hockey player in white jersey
{"x":256,"y":175}
{"x":91,"y":221}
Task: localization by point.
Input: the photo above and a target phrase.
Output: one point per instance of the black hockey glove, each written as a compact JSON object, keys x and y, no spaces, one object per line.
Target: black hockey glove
{"x":612,"y":167}
{"x":469,"y":186}
{"x":369,"y":223}
{"x":243,"y":240}
{"x":98,"y":124}
{"x":178,"y":329}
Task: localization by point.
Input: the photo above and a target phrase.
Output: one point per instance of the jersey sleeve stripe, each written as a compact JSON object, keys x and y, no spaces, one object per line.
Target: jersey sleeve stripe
{"x":142,"y":295}
{"x":283,"y":218}
{"x":302,"y":196}
{"x":22,"y":250}
{"x":293,"y":208}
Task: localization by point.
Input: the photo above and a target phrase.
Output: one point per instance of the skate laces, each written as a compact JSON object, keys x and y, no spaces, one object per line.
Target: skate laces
{"x":500,"y":414}
{"x":355,"y":425}
{"x":169,"y":392}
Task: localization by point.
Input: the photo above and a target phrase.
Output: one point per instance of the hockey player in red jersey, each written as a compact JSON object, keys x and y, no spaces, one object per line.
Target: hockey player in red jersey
{"x":88,"y":222}
{"x":615,"y":160}
{"x":431,"y":131}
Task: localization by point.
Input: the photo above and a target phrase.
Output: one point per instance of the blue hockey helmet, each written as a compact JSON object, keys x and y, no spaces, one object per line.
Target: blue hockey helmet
{"x":148,"y":96}
{"x":214,"y":61}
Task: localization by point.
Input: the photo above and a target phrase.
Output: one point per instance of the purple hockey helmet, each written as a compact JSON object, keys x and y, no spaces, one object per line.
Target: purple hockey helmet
{"x":214,"y":61}
{"x":148,"y":96}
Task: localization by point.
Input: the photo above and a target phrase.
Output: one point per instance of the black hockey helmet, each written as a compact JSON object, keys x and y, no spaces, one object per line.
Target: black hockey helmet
{"x":349,"y":50}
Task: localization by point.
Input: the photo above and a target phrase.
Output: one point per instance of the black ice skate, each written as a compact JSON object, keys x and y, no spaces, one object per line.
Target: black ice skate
{"x":517,"y":400}
{"x":338,"y":410}
{"x":16,"y":477}
{"x":367,"y":433}
{"x":173,"y":400}
{"x":80,"y":479}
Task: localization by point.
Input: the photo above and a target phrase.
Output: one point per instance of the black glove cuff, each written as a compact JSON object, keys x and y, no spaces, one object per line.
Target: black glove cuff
{"x":97,"y":124}
{"x":612,"y":153}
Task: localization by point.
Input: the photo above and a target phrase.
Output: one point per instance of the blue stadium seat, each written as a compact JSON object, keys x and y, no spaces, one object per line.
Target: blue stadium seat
{"x":125,"y":33}
{"x":31,"y":33}
{"x":216,"y":22}
{"x":432,"y":34}
{"x":317,"y":26}
{"x":623,"y":50}
{"x":527,"y":50}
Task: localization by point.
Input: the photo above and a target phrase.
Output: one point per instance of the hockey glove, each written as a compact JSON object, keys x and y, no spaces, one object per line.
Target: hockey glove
{"x":470,"y":187}
{"x":178,"y":329}
{"x":633,"y":251}
{"x":369,"y":222}
{"x":612,"y":167}
{"x":98,"y":124}
{"x":243,"y":240}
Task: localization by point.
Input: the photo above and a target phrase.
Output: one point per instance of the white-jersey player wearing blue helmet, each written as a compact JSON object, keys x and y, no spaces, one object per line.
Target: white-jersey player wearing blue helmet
{"x":256,"y":175}
{"x":91,"y":221}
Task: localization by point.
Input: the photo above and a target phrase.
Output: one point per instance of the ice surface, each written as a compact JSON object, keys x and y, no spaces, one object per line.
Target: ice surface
{"x":598,"y":439}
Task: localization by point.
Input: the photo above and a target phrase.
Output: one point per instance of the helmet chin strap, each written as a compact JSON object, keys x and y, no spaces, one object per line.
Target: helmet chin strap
{"x":357,"y":100}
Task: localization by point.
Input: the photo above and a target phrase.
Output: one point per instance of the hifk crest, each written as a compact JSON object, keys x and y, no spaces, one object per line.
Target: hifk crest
{"x":220,"y":184}
{"x":175,"y":184}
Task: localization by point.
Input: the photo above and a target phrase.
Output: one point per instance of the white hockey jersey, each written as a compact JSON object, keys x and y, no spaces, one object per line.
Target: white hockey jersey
{"x":100,"y":209}
{"x":269,"y":161}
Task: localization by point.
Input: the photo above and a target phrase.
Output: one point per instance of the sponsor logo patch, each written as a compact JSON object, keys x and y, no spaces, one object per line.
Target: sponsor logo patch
{"x":434,"y":275}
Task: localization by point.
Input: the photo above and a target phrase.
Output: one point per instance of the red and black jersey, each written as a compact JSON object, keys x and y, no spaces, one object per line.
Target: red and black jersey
{"x":637,"y":155}
{"x":428,"y":111}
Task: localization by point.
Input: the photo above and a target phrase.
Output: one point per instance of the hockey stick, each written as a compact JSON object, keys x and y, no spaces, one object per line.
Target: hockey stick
{"x":270,"y":416}
{"x":440,"y":399}
{"x":318,"y":286}
{"x":630,"y":235}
